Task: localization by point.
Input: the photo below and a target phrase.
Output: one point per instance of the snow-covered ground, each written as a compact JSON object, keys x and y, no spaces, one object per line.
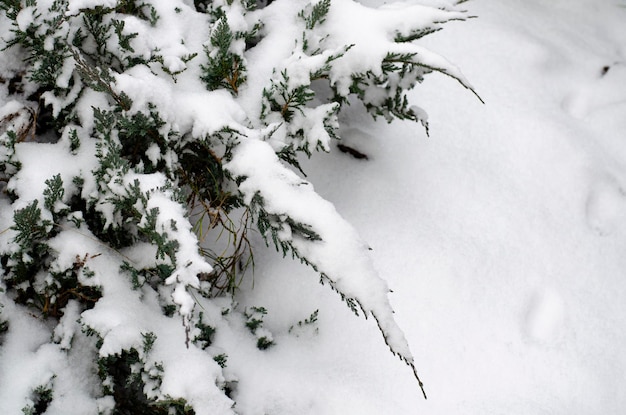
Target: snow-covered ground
{"x":503,"y":235}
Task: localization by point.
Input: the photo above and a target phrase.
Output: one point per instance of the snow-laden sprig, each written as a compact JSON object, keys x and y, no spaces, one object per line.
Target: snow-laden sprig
{"x":379,"y":59}
{"x":385,"y":35}
{"x":292,"y":215}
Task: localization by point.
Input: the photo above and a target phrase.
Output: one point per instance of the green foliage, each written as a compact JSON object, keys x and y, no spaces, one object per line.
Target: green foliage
{"x":204,"y":338}
{"x":264,"y":343}
{"x":255,"y":318}
{"x":41,"y":398}
{"x":221,"y":359}
{"x":124,"y":40}
{"x":254,"y":323}
{"x":99,"y":79}
{"x":173,"y":407}
{"x":11,"y":8}
{"x":312,"y":319}
{"x":166,"y":247}
{"x":127,"y":387}
{"x":53,"y":193}
{"x":31,"y":228}
{"x":224,"y":69}
{"x":316,"y":14}
{"x":285,"y":100}
{"x":148,"y":342}
{"x":4,"y":327}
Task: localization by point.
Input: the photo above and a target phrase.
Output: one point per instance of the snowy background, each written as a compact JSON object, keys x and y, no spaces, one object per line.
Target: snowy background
{"x":503,"y":235}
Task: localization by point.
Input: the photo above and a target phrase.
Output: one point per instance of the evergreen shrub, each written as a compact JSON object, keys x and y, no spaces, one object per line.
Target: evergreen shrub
{"x":134,"y":131}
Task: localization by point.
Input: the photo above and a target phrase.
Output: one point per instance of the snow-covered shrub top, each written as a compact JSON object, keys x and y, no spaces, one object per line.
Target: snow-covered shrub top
{"x":128,"y":123}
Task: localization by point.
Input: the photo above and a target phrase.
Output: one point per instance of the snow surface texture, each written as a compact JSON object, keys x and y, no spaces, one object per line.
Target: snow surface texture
{"x":502,"y":237}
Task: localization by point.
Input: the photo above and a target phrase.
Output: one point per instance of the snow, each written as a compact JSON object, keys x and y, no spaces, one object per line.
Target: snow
{"x":50,"y":160}
{"x":25,"y":17}
{"x":502,"y":235}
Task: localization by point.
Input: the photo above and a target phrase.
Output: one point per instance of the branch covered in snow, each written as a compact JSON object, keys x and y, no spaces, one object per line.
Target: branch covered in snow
{"x":133,"y":123}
